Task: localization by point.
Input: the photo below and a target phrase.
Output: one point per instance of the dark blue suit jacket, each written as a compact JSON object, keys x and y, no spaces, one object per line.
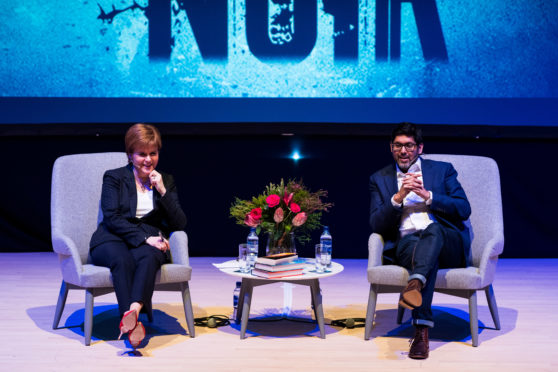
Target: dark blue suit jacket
{"x":119,"y":203}
{"x":449,"y":203}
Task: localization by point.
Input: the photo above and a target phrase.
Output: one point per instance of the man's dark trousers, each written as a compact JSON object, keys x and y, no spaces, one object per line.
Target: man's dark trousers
{"x":424,"y":252}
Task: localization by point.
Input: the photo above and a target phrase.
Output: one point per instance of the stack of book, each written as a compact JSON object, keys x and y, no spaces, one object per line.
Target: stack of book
{"x":278,"y":266}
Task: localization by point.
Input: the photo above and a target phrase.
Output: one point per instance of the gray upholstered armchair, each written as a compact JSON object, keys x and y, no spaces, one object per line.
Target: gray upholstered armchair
{"x":480,"y":178}
{"x":75,"y":213}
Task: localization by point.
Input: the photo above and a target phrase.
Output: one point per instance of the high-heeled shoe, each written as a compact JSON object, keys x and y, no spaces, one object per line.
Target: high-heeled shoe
{"x":128,"y":322}
{"x":137,"y":335}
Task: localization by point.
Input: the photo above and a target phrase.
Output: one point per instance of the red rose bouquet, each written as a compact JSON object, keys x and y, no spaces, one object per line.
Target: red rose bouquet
{"x":283,"y":210}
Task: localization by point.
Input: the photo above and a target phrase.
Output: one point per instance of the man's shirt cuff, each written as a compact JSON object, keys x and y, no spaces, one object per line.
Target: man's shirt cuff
{"x":429,"y":200}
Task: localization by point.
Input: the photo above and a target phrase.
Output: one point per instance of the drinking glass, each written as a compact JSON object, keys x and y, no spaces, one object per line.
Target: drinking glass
{"x":243,"y":258}
{"x":321,"y":257}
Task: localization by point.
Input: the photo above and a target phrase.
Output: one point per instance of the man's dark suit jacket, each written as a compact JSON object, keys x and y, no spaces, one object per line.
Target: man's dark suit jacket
{"x":449,"y":205}
{"x":119,"y":203}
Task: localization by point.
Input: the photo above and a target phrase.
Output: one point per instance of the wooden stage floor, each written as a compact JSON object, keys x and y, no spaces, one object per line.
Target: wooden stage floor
{"x":29,"y":282}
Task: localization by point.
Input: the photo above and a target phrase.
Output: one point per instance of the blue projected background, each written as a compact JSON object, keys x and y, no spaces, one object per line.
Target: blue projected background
{"x":444,"y":61}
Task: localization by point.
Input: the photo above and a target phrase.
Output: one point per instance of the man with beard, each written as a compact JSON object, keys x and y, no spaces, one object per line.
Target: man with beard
{"x":419,"y":207}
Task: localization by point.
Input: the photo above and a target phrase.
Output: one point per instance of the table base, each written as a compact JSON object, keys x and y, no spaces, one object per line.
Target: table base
{"x":245,"y":299}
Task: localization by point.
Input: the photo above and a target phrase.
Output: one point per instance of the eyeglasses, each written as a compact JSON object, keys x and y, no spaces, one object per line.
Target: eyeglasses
{"x":409,"y":146}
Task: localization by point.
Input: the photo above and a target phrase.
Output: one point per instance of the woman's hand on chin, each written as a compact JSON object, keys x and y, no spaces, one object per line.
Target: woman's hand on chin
{"x":157,"y":181}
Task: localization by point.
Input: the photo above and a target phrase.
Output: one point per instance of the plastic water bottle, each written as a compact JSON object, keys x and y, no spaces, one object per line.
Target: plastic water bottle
{"x":325,"y":239}
{"x":253,"y":246}
{"x":236,"y":294}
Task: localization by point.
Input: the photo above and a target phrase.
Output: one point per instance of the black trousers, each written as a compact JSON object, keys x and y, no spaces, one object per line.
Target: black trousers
{"x":423,"y":253}
{"x":133,"y":271}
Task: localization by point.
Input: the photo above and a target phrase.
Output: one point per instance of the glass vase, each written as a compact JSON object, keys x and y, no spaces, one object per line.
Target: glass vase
{"x":280,"y":242}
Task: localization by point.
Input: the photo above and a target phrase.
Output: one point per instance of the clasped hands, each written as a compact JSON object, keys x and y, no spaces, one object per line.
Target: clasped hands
{"x":411,"y":183}
{"x":158,"y":242}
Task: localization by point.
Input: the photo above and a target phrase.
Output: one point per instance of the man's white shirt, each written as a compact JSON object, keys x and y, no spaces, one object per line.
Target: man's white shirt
{"x":416,"y":214}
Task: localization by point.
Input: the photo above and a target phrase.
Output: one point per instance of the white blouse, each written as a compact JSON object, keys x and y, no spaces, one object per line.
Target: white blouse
{"x":145,"y":203}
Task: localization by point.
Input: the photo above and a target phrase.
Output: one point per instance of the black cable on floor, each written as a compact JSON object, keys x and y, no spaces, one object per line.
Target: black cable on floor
{"x":348,"y":323}
{"x":212,"y":321}
{"x":215,"y":321}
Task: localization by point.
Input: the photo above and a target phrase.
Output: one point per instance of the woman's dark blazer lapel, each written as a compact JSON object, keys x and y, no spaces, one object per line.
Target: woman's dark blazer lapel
{"x":130,"y":184}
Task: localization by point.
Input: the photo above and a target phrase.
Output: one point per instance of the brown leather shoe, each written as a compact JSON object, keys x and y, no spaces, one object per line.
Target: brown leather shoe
{"x":419,"y":346}
{"x":411,"y":297}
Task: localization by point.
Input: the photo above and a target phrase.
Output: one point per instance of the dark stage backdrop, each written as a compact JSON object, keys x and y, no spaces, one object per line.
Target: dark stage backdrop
{"x":211,"y":170}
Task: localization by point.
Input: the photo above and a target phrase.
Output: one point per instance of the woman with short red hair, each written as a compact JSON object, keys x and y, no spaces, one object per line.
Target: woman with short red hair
{"x":140,"y":210}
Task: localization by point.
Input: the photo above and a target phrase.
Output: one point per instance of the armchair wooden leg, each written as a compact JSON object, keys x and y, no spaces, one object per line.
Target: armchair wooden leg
{"x":60,"y":304}
{"x":187,"y":302}
{"x":473,"y":319}
{"x":491,"y":299}
{"x":88,"y":318}
{"x":370,"y":311}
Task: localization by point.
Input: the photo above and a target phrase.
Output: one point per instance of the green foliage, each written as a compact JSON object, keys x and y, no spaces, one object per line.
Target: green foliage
{"x":290,"y":195}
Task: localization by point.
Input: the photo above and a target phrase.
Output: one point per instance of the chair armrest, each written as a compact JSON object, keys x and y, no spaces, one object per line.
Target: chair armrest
{"x":63,"y":244}
{"x":487,"y":265}
{"x":496,"y":246}
{"x":178,"y":242}
{"x":70,"y":260}
{"x":375,"y":250}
